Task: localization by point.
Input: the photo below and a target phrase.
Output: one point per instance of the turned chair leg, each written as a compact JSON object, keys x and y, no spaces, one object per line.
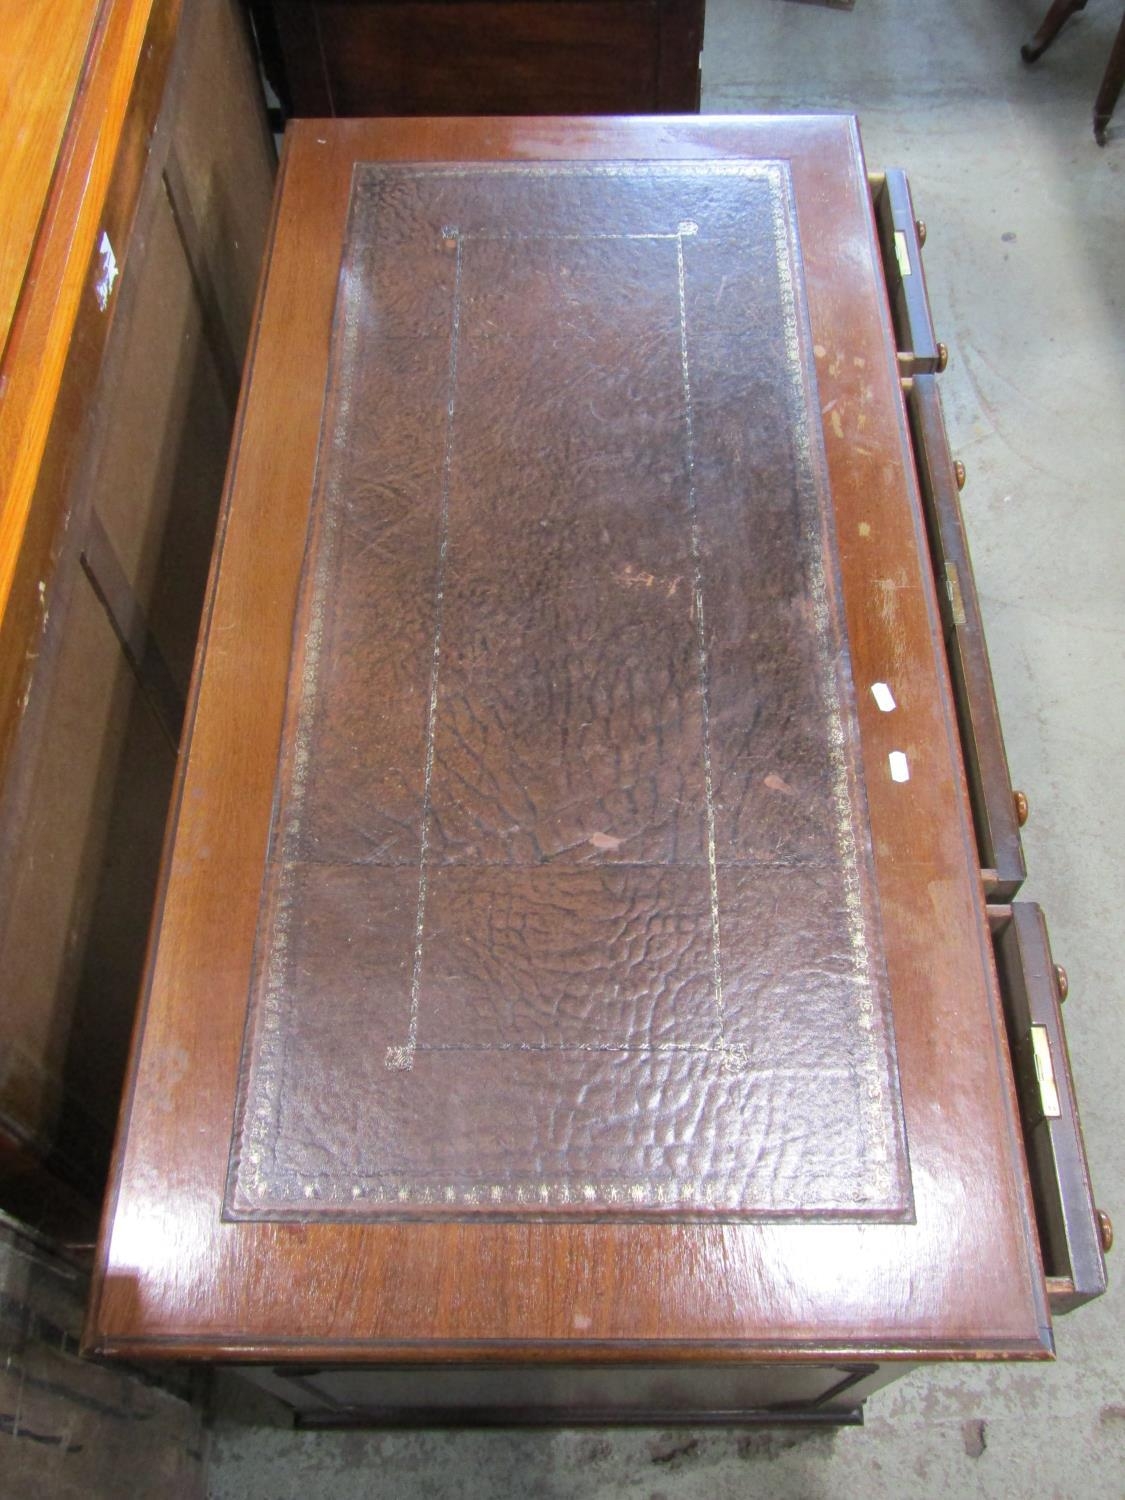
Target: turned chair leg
{"x":1060,"y":12}
{"x":1111,"y":85}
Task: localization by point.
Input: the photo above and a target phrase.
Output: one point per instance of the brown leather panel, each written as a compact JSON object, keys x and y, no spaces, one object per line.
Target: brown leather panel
{"x":570,"y":908}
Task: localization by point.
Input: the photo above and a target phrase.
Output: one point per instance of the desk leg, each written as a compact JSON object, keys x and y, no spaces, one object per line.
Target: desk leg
{"x":1111,"y":85}
{"x":1060,"y":12}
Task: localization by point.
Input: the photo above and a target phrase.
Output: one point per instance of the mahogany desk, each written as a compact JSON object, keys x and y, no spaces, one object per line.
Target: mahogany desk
{"x":586,"y":983}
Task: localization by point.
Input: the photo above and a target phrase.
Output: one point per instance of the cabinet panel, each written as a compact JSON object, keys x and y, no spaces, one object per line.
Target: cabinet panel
{"x":505,"y":57}
{"x":112,"y":569}
{"x":220,"y":172}
{"x":83,"y":866}
{"x":157,"y":484}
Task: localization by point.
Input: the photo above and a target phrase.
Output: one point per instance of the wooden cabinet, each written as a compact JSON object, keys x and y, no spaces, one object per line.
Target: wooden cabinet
{"x":482,"y":57}
{"x":120,"y":376}
{"x":574,"y":994}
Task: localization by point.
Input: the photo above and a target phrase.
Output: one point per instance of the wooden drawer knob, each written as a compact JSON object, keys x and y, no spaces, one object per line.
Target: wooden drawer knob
{"x":1062,"y":981}
{"x":942,"y":357}
{"x":1022,"y":807}
{"x":1105,"y":1229}
{"x":959,"y":473}
{"x":920,"y":231}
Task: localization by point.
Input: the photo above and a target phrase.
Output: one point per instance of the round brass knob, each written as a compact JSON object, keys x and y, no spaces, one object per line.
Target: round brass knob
{"x":1022,"y":807}
{"x":942,"y":357}
{"x":1105,"y":1230}
{"x":920,"y":230}
{"x":1062,"y":981}
{"x":959,"y":473}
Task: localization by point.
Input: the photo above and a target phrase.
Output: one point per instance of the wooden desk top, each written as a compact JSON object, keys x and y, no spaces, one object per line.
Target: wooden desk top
{"x":935,"y":1257}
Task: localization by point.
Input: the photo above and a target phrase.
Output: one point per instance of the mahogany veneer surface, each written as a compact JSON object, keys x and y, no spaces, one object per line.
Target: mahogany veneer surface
{"x":552,"y":955}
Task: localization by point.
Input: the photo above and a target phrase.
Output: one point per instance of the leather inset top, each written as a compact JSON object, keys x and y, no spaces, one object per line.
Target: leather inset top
{"x":569,"y":907}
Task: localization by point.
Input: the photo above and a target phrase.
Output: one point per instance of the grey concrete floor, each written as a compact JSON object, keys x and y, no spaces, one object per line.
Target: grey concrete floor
{"x":72,"y":1429}
{"x":1026,"y":269}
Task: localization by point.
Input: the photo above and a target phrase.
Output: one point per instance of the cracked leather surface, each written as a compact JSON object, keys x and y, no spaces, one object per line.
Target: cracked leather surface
{"x":569,"y":902}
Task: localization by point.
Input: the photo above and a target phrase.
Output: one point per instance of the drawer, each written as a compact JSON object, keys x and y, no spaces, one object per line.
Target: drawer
{"x":591,"y":1393}
{"x":901,"y":237}
{"x":998,"y":812}
{"x":1073,"y":1233}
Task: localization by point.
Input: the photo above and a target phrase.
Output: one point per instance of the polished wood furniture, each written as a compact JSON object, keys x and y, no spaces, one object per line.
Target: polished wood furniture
{"x":494,"y":362}
{"x":477,"y":57}
{"x":136,"y":189}
{"x":1059,"y":13}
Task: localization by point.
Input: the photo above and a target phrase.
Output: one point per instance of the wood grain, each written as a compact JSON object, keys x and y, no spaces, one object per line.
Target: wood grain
{"x":42,"y":49}
{"x":963,"y":1279}
{"x":105,"y":147}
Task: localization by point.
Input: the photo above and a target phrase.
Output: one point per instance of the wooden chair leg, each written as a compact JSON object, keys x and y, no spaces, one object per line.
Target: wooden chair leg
{"x":1111,"y":85}
{"x":1060,"y":12}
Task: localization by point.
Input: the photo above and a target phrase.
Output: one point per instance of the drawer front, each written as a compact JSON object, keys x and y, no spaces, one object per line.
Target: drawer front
{"x":997,"y":811}
{"x":901,"y":237}
{"x":1073,"y":1233}
{"x":499,"y":1394}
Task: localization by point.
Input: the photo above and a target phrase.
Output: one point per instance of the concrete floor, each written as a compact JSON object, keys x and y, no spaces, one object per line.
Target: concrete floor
{"x":71,"y":1429}
{"x":1026,"y":268}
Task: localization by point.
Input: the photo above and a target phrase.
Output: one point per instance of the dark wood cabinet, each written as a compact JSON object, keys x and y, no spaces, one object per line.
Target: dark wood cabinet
{"x":482,"y":57}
